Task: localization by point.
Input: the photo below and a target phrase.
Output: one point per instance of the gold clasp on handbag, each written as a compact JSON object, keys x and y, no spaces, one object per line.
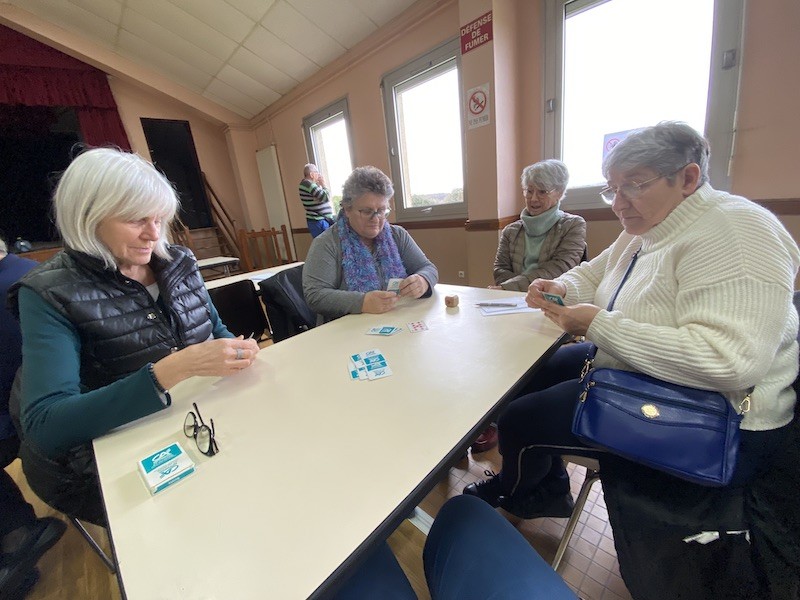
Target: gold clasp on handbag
{"x":650,"y":411}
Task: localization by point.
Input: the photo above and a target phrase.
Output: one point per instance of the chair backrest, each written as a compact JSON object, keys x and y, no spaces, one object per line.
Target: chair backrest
{"x":240,"y":308}
{"x":796,"y":300}
{"x":287,"y":310}
{"x":262,"y":249}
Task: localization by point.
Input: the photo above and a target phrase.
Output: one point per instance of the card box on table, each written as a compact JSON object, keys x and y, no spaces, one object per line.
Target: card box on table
{"x":164,"y":467}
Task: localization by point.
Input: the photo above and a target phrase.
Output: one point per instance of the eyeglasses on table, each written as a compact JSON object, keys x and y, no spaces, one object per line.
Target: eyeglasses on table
{"x":195,"y":427}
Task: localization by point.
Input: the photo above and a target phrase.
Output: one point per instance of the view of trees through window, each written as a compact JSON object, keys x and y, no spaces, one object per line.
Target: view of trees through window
{"x":429,"y":126}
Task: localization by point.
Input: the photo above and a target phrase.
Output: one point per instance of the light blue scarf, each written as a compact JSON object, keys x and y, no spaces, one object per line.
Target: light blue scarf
{"x":536,"y":228}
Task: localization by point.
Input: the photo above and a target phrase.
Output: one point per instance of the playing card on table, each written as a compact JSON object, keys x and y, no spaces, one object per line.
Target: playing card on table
{"x":357,"y":371}
{"x":394,"y":285}
{"x":379,"y":373}
{"x":416,"y":326}
{"x":368,"y":365}
{"x":383,"y":330}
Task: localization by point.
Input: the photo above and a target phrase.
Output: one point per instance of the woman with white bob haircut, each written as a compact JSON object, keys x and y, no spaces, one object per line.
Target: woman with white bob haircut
{"x":545,"y":241}
{"x":109,"y":324}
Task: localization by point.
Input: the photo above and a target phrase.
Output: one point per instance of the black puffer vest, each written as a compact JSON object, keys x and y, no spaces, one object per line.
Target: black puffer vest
{"x":121,"y":327}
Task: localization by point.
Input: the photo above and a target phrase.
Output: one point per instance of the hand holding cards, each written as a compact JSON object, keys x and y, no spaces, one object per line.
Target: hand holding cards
{"x":394,"y":285}
{"x":553,"y":298}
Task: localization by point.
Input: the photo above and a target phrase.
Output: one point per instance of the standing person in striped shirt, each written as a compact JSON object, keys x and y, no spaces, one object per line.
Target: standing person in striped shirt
{"x":316,"y":200}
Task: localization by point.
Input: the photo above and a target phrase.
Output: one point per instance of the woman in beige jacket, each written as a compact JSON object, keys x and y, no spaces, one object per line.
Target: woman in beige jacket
{"x":546,"y":241}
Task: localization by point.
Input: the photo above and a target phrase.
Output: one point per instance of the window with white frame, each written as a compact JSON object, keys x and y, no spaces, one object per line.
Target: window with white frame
{"x":422,"y":101}
{"x":616,"y":65}
{"x":327,"y":133}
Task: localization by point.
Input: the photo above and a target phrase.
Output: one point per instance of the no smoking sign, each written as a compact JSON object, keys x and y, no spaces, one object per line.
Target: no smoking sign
{"x":478,"y":106}
{"x":477,"y":103}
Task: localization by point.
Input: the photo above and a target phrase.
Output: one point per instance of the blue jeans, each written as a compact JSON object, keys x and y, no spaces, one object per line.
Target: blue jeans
{"x":472,"y":553}
{"x":317,"y":227}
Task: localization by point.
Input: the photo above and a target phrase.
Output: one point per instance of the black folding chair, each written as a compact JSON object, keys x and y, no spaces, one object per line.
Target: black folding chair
{"x":287,"y":310}
{"x":240,"y":309}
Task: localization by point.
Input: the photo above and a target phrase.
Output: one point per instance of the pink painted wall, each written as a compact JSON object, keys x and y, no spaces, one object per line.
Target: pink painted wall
{"x":767,"y":154}
{"x":481,"y":143}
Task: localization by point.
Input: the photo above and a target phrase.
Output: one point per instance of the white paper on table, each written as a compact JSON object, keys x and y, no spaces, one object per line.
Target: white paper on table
{"x":519,"y":307}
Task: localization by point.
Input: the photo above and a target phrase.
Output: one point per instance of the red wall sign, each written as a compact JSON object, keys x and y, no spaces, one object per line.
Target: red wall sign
{"x":476,"y":33}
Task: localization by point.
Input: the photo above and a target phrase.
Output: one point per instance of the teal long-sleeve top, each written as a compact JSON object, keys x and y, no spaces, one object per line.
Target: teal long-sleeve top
{"x":57,"y":412}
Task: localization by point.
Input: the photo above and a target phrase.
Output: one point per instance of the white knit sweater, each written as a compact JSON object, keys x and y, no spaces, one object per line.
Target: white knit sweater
{"x":708,"y":303}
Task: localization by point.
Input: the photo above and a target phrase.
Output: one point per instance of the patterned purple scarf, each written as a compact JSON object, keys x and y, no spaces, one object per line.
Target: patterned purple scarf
{"x":358,"y":263}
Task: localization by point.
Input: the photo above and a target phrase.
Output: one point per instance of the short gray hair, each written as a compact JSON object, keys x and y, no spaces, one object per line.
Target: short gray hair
{"x":309,"y":168}
{"x":550,"y":174}
{"x":3,"y":247}
{"x":366,"y":180}
{"x":105,"y":183}
{"x":665,"y":148}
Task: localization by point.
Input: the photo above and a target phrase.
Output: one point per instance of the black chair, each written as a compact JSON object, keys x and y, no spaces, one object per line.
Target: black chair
{"x":240,"y":309}
{"x":287,"y":310}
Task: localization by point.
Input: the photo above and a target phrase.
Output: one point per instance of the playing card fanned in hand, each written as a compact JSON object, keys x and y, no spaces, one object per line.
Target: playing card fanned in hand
{"x":394,"y":285}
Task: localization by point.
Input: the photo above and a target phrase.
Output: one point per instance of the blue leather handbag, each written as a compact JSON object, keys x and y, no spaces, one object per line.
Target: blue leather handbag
{"x":690,"y":433}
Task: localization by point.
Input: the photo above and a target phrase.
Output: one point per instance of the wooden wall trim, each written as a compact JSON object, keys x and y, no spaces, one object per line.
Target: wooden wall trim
{"x":440,"y":224}
{"x":784,"y":206}
{"x":490,"y":224}
{"x":787,"y":206}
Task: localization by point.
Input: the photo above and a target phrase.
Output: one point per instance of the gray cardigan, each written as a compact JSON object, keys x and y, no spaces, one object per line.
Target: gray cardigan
{"x":561,"y":250}
{"x":323,"y":282}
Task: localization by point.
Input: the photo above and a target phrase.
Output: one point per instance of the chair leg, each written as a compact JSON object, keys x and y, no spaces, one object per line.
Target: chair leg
{"x":98,"y":550}
{"x":580,"y":501}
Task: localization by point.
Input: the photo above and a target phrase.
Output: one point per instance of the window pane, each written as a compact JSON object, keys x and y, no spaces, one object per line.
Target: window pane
{"x":429,"y":128}
{"x":332,"y":152}
{"x":629,"y":64}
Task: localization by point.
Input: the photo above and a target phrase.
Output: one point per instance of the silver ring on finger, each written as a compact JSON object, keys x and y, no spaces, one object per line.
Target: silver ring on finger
{"x":239,"y":354}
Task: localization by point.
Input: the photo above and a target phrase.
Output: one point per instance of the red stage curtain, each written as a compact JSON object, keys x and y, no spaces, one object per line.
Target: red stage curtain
{"x":34,"y":74}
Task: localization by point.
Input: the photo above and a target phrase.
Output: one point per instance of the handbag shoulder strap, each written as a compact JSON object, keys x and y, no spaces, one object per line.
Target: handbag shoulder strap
{"x":593,"y":348}
{"x":624,"y":279}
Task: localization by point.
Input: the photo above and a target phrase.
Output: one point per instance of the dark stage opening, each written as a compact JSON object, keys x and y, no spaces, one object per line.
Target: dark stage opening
{"x":36,"y":143}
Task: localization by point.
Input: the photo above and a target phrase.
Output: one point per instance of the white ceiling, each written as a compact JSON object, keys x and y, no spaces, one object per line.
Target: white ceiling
{"x":242,"y":54}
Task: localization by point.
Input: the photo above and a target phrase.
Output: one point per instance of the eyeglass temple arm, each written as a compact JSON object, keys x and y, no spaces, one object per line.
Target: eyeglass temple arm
{"x":199,"y":416}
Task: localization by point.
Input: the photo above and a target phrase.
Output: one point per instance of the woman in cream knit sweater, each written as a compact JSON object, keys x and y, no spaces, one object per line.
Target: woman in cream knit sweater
{"x":708,"y":304}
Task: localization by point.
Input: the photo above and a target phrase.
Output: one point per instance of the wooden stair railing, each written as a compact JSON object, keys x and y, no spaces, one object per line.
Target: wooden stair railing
{"x":225,"y":224}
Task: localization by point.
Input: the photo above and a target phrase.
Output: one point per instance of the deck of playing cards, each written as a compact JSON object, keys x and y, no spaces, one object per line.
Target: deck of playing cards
{"x":161,"y":469}
{"x":368,"y":365}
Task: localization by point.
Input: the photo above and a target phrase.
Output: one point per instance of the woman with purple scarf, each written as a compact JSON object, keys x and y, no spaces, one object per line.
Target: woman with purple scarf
{"x":349,"y":266}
